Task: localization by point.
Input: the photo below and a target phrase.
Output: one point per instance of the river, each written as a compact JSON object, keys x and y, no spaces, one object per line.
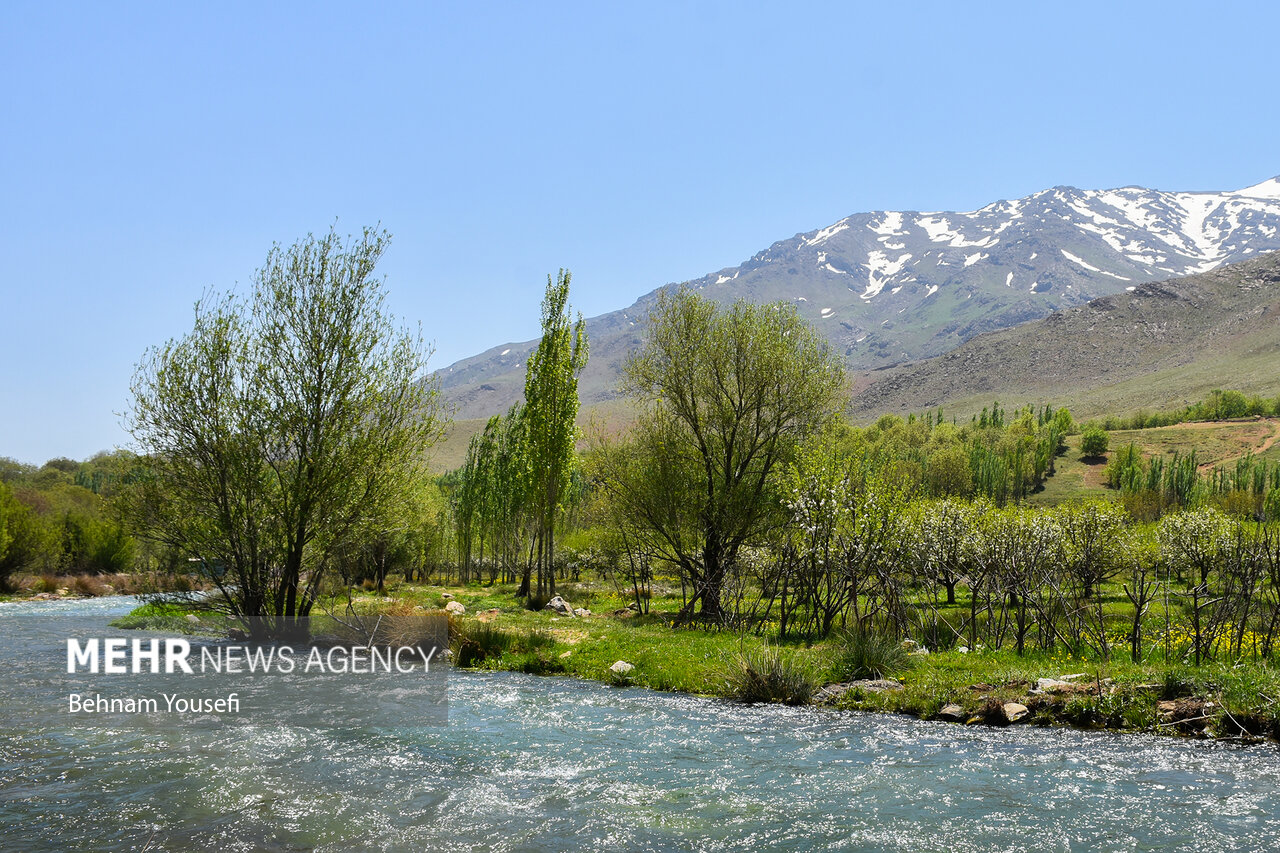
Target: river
{"x":529,"y":763}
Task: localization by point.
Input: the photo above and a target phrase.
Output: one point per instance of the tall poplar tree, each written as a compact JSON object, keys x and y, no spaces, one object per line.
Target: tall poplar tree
{"x":551,"y":410}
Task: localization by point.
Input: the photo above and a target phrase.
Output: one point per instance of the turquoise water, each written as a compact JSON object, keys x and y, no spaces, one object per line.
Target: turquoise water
{"x":531,"y":763}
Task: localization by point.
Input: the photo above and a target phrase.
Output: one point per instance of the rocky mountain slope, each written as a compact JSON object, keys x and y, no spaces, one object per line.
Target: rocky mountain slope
{"x":893,"y":286}
{"x":1157,"y":345}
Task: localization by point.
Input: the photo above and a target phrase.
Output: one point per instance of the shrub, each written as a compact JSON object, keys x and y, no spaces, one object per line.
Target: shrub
{"x":1093,"y":443}
{"x":769,"y":676}
{"x":1176,"y":685}
{"x":46,"y":583}
{"x":620,"y":679}
{"x":405,"y":625}
{"x":869,"y":655}
{"x":89,"y":585}
{"x":534,"y":639}
{"x":475,"y":642}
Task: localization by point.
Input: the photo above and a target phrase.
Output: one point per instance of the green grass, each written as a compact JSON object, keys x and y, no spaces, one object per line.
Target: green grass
{"x":171,"y":618}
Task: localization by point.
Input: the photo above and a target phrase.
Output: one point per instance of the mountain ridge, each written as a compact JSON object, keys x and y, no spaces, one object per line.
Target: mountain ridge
{"x":888,"y":287}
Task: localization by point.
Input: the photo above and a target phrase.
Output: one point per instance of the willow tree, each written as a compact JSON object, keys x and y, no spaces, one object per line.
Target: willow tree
{"x":725,"y":395}
{"x":550,"y":415}
{"x":282,"y":428}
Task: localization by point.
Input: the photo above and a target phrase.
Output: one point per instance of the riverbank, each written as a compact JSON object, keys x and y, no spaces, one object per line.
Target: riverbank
{"x":58,"y":587}
{"x":1226,"y":701}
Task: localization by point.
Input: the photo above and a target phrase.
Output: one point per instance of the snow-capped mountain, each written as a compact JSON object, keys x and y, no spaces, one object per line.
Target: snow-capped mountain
{"x":890,"y":286}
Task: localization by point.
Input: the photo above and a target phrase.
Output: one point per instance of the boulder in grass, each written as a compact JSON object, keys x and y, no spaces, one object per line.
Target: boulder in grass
{"x":559,"y":605}
{"x":1059,"y":686}
{"x":621,"y":667}
{"x":1013,"y":711}
{"x":832,"y":693}
{"x":457,"y":608}
{"x":581,"y":611}
{"x":952,"y":713}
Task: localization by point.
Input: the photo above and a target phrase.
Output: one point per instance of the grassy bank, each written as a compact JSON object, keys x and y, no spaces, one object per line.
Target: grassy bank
{"x":1218,"y":700}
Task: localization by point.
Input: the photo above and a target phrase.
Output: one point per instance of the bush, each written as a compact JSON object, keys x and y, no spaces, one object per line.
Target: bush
{"x":405,"y":625}
{"x":868,"y":655}
{"x":768,"y":676}
{"x":1176,"y":685}
{"x":155,"y":616}
{"x":89,"y":585}
{"x":46,"y":583}
{"x":534,"y":639}
{"x":1093,"y":443}
{"x":475,"y":642}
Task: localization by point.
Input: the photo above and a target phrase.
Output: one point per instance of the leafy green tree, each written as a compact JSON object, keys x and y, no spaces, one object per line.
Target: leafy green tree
{"x":278,"y":426}
{"x":11,"y":470}
{"x":491,"y":495}
{"x":1093,"y":442}
{"x":946,"y":463}
{"x":95,"y":545}
{"x":550,"y":412}
{"x":725,"y":396}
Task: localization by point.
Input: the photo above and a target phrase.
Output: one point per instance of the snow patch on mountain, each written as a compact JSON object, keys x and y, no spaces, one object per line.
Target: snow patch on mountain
{"x":940,"y":231}
{"x":1266,"y":189}
{"x":880,"y":269}
{"x":1076,"y":259}
{"x":827,"y":233}
{"x":890,"y":225}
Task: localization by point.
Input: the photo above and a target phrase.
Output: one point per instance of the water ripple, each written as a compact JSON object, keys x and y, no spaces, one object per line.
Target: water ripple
{"x":556,"y":764}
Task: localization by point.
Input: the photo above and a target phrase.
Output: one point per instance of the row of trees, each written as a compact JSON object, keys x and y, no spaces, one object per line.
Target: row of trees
{"x":741,"y":480}
{"x":521,"y":476}
{"x":1218,"y":405}
{"x":871,"y":559}
{"x":1160,"y":483}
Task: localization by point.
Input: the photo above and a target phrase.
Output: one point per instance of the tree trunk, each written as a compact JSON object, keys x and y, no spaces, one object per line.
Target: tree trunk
{"x":712,"y":583}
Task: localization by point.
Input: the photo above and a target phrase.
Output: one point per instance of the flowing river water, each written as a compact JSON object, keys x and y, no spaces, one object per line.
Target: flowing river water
{"x":529,"y":763}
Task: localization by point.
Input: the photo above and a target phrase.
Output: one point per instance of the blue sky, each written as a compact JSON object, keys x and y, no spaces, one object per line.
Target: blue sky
{"x":151,"y":151}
